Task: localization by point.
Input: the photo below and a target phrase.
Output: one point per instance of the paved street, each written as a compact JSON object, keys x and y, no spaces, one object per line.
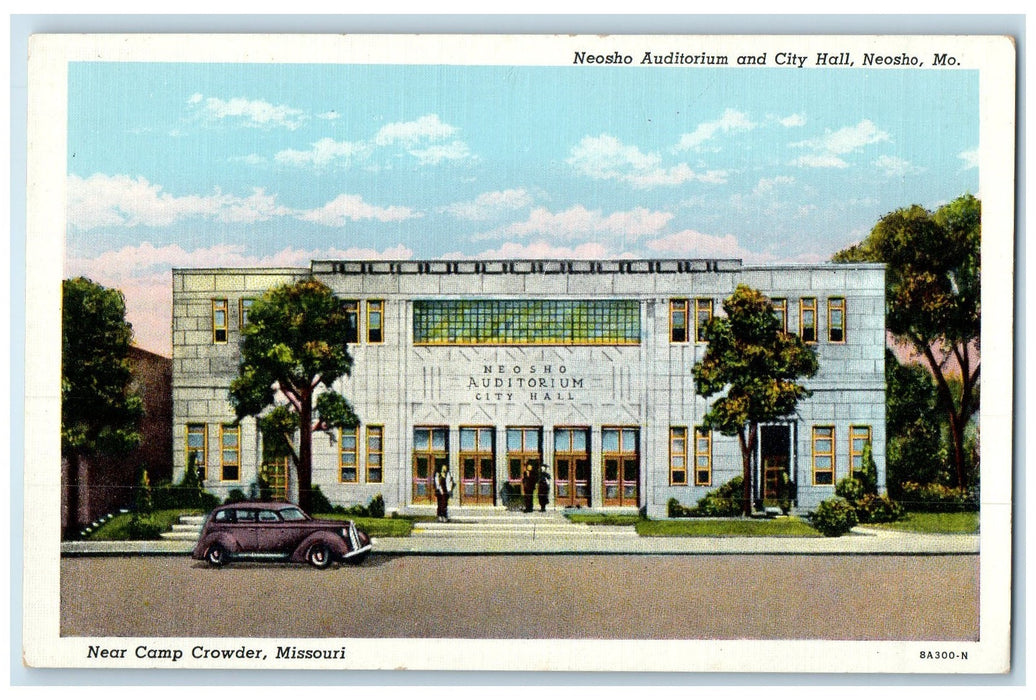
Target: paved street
{"x":874,"y":597}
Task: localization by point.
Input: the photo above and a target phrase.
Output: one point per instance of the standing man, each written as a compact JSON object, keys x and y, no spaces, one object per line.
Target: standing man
{"x":443,"y":488}
{"x":528,"y":487}
{"x":543,"y":489}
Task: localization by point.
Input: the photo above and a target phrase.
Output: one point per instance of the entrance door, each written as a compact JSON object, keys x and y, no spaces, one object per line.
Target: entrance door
{"x":430,"y":455}
{"x":571,"y":467}
{"x":523,"y":454}
{"x":775,"y":449}
{"x":275,"y":473}
{"x":620,"y":462}
{"x":477,"y":477}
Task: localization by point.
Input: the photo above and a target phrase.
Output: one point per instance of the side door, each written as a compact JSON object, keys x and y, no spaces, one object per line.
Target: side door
{"x":241,"y":529}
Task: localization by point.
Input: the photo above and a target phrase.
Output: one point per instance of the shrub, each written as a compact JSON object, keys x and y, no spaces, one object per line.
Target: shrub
{"x":235,"y":496}
{"x":143,"y":527}
{"x":726,"y":501}
{"x":188,"y":494}
{"x":318,"y":502}
{"x":143,"y":501}
{"x":675,"y":509}
{"x":878,"y":509}
{"x":851,"y":489}
{"x":376,"y":508}
{"x":937,"y":498}
{"x":833,"y":517}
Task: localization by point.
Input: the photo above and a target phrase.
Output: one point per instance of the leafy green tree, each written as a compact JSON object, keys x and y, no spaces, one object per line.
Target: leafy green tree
{"x":914,"y":451}
{"x":757,"y":365}
{"x":932,"y":296}
{"x":100,"y":414}
{"x":294,"y":349}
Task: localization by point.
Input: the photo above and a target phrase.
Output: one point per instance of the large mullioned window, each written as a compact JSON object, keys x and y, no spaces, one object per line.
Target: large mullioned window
{"x":823,"y":455}
{"x":526,"y":322}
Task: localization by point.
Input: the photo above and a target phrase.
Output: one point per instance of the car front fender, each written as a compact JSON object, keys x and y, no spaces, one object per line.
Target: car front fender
{"x":334,"y":542}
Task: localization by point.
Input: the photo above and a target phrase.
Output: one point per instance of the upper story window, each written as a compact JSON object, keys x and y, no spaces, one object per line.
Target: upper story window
{"x":702,"y":316}
{"x":352,"y":320}
{"x":836,"y":319}
{"x":678,"y":320}
{"x":780,"y":310}
{"x":244,"y":307}
{"x":219,"y":320}
{"x":808,"y":319}
{"x":527,"y":322}
{"x":375,"y":320}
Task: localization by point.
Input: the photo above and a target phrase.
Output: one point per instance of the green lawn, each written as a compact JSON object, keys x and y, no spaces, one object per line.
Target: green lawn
{"x":726,"y":527}
{"x":117,"y":529}
{"x":603,"y":518}
{"x":375,"y":527}
{"x":935,"y":523}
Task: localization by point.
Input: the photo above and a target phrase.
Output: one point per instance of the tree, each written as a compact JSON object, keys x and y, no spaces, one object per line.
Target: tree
{"x":294,"y":349}
{"x":932,"y":297}
{"x":913,"y":440}
{"x":758,"y":365}
{"x":100,"y":414}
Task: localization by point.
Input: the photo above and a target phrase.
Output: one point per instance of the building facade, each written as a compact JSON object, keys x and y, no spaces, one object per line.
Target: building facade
{"x":581,"y":368}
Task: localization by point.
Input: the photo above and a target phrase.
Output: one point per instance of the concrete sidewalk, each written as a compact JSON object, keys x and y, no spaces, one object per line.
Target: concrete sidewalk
{"x":548,"y":538}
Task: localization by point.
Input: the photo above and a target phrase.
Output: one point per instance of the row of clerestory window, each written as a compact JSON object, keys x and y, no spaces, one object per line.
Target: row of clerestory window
{"x":688,"y":318}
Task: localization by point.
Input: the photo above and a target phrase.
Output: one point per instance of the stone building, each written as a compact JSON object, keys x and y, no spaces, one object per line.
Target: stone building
{"x":582,"y":368}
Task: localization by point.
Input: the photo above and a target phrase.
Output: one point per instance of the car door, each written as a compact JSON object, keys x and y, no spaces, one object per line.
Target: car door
{"x":273,"y":534}
{"x":242,"y":529}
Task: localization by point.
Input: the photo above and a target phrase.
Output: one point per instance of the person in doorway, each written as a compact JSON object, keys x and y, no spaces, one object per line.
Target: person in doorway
{"x":543,"y":489}
{"x":443,"y":489}
{"x":528,"y":487}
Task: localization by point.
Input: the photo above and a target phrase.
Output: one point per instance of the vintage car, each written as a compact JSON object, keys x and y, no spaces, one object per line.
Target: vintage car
{"x":278,"y":531}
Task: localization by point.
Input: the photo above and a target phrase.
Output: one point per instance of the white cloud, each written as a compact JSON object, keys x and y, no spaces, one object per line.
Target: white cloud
{"x":490,"y":205}
{"x":970,"y":159}
{"x":142,"y":272}
{"x":251,"y":113}
{"x":435,"y":154}
{"x":120,"y":200}
{"x":604,"y":157}
{"x":351,"y":207}
{"x":580,"y":222}
{"x":769,"y":184}
{"x":893,"y":166}
{"x":694,"y":244}
{"x":329,"y":116}
{"x":731,"y":121}
{"x":831,"y":145}
{"x":423,"y":130}
{"x":324,"y":152}
{"x":793,"y":120}
{"x":544,"y":250}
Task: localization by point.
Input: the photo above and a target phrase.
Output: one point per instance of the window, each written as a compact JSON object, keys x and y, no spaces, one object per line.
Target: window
{"x":527,"y":322}
{"x":702,"y":316}
{"x":243,"y":308}
{"x":197,"y":445}
{"x":375,"y":319}
{"x":859,"y":437}
{"x":523,"y":453}
{"x":352,"y":321}
{"x":808,"y":319}
{"x":678,"y":321}
{"x":375,"y":454}
{"x":219,"y":320}
{"x":823,"y":455}
{"x":230,"y":452}
{"x":836,"y":319}
{"x":702,"y":457}
{"x":780,"y":310}
{"x":347,"y":447}
{"x":678,"y":456}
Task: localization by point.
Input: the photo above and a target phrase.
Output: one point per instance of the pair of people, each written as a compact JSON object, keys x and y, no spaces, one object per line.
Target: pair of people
{"x":536,"y":485}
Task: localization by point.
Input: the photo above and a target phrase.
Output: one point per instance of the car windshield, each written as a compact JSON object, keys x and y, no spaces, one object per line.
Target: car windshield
{"x":292,"y":514}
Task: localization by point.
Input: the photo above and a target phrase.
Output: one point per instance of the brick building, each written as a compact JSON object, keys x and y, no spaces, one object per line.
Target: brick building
{"x":580,"y":367}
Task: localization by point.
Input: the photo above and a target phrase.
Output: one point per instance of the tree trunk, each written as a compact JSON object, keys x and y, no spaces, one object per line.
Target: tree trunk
{"x":747,"y":446}
{"x":305,"y":466}
{"x":957,"y":418}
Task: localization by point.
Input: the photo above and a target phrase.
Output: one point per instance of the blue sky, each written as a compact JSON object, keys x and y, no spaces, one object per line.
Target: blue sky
{"x":180,"y":165}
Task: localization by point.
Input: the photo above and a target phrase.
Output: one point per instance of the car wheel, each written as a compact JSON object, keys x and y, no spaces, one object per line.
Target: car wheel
{"x":319,"y":556}
{"x":216,"y":556}
{"x":358,"y":559}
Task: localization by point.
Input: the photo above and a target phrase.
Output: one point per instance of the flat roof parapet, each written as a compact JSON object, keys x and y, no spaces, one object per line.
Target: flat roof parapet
{"x":523,"y":266}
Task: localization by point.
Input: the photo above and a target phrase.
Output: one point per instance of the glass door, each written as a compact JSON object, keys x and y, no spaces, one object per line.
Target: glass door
{"x":430,"y":455}
{"x":477,"y":478}
{"x":523,"y":465}
{"x":620,"y":463}
{"x":571,"y":467}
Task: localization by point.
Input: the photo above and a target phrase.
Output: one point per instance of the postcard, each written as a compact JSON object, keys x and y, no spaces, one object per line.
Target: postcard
{"x":520,"y":353}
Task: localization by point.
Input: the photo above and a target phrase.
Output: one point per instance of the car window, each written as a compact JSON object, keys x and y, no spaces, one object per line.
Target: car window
{"x":291,"y":514}
{"x":268,"y":516}
{"x":245,"y":516}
